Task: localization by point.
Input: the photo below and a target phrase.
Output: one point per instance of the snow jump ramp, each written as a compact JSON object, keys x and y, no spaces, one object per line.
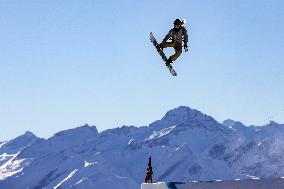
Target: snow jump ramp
{"x":275,"y":183}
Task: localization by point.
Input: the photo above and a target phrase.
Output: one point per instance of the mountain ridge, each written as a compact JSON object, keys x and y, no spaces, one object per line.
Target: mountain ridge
{"x":185,"y":144}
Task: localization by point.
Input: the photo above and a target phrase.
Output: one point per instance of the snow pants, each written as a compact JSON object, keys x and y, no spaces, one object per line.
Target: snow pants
{"x":176,"y":45}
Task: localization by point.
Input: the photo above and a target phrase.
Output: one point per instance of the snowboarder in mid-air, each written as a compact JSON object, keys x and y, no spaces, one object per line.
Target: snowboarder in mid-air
{"x":177,"y":35}
{"x":176,"y":38}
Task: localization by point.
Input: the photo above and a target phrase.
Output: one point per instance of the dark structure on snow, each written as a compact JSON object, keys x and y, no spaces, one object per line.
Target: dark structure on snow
{"x":149,"y":173}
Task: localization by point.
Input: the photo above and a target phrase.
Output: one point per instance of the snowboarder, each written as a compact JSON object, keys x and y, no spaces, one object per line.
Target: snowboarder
{"x":177,"y":35}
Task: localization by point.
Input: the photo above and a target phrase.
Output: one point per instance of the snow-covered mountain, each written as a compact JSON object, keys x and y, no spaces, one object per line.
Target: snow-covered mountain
{"x":185,"y":145}
{"x":9,"y":149}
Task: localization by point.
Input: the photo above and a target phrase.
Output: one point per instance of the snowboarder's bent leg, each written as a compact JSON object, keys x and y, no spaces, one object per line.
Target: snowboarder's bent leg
{"x":167,"y":44}
{"x":178,"y":49}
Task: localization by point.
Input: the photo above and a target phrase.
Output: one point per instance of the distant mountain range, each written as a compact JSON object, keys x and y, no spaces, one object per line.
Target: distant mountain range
{"x":185,"y":145}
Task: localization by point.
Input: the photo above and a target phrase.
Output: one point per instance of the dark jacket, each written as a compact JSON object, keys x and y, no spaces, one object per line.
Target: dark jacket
{"x":178,"y":37}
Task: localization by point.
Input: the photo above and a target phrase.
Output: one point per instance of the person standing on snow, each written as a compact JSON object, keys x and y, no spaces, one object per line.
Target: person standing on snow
{"x":177,"y":35}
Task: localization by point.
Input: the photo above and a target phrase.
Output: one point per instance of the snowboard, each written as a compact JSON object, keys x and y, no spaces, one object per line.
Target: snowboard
{"x":162,"y":54}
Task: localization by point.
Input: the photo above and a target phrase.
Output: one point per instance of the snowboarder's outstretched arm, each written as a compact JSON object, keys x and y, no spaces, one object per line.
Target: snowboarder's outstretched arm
{"x":185,"y":38}
{"x":185,"y":35}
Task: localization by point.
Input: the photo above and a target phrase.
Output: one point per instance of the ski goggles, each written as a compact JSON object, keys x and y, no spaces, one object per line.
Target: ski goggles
{"x":177,"y":26}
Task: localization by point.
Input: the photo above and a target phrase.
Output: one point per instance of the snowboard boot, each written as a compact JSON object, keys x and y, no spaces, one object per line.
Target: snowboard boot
{"x":168,"y":62}
{"x":160,"y":47}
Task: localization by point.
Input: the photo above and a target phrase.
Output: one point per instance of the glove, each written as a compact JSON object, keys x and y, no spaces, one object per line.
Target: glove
{"x":185,"y":47}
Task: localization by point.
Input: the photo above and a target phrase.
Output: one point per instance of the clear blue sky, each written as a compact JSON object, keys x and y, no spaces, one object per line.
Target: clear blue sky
{"x":66,"y":63}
